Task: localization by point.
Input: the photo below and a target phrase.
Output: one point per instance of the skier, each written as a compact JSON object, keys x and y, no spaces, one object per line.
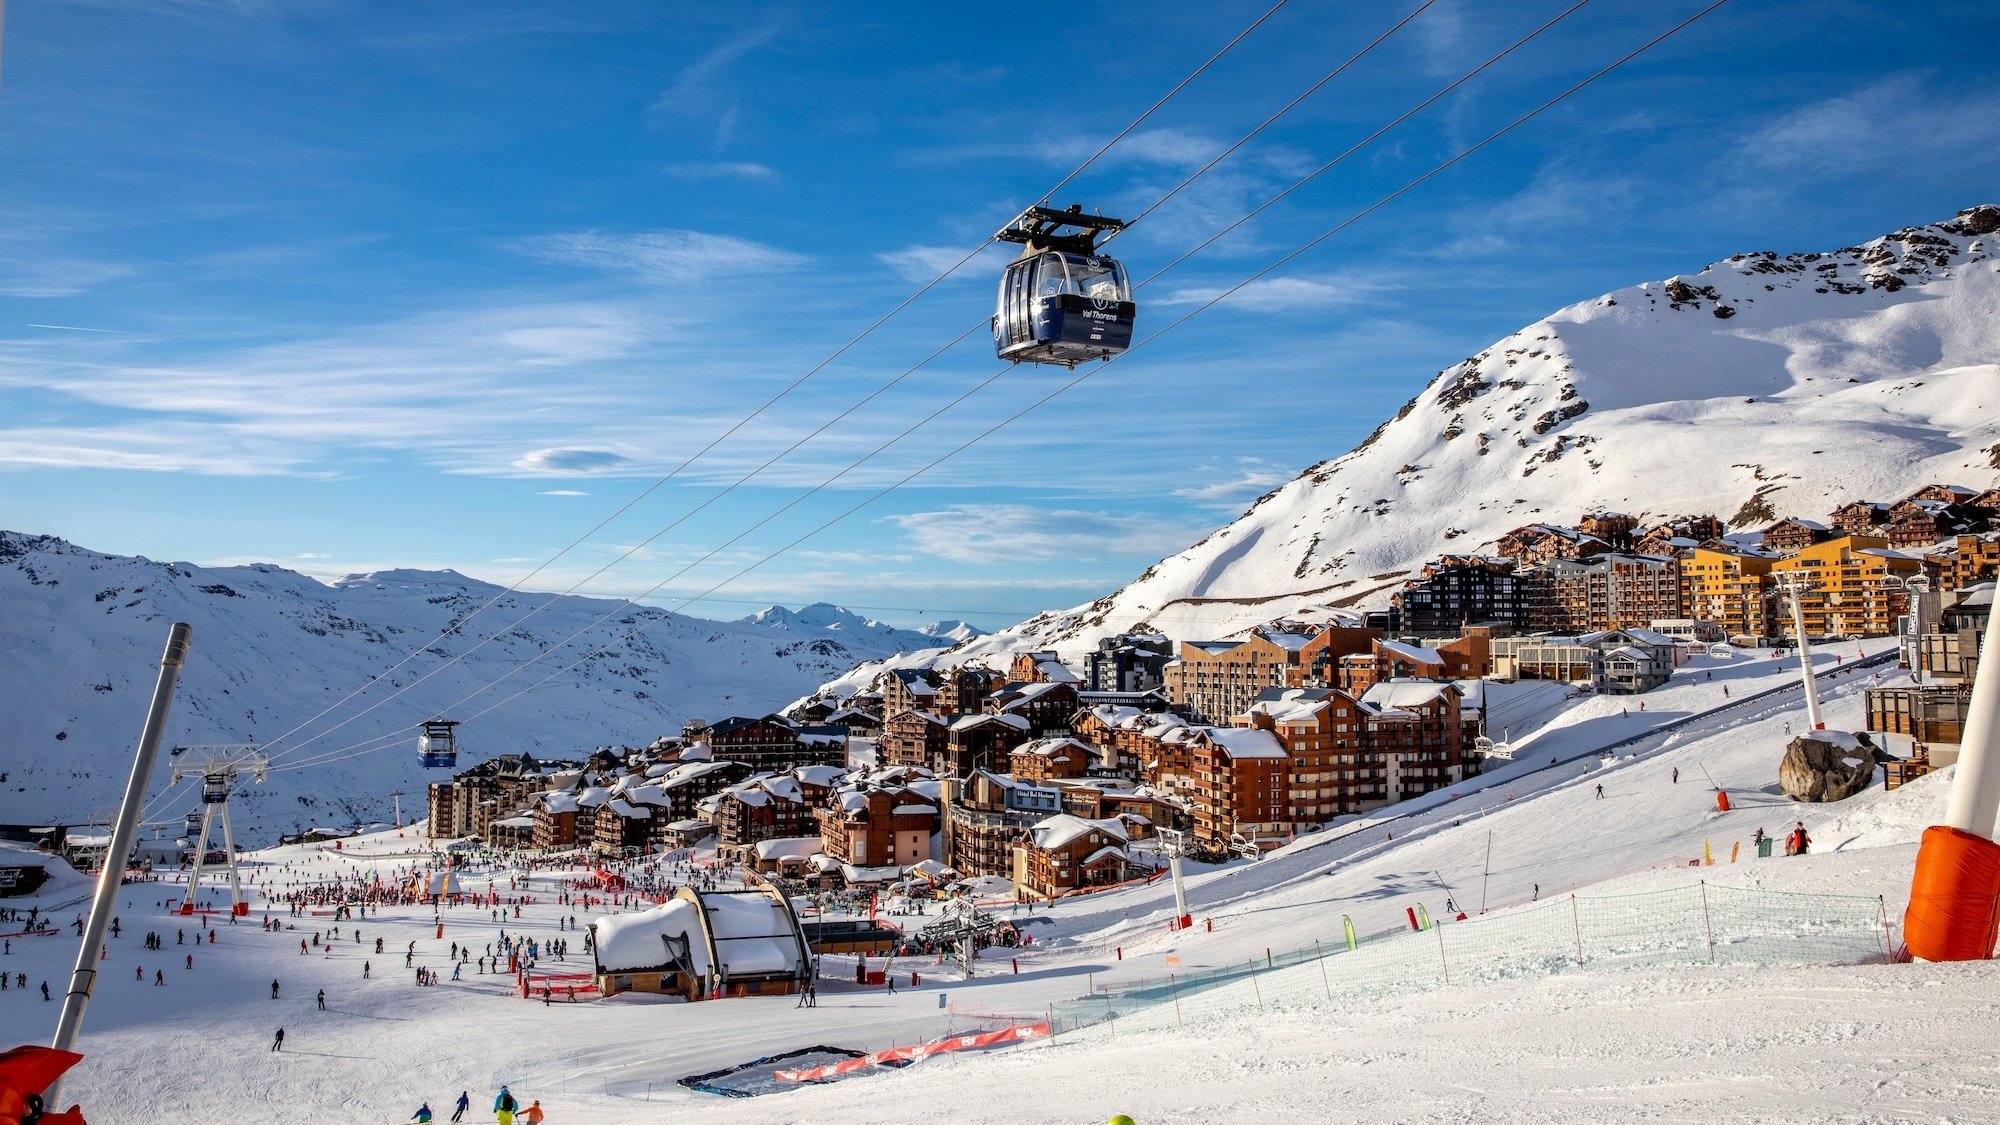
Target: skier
{"x":504,"y":1106}
{"x":534,"y":1114}
{"x":1798,"y":841}
{"x":423,"y":1114}
{"x":274,"y":990}
{"x":1677,"y":775}
{"x":322,"y":999}
{"x":1600,"y":792}
{"x":464,"y":1103}
{"x":278,"y":1041}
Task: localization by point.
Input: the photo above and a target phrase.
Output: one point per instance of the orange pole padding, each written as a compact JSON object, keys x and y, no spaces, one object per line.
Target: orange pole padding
{"x":1721,"y":801}
{"x":28,"y":1071}
{"x":1954,"y":908}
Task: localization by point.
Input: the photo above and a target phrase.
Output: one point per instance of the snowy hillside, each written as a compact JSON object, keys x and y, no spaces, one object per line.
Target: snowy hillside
{"x":81,"y":635}
{"x":824,"y":620}
{"x":1762,"y":386}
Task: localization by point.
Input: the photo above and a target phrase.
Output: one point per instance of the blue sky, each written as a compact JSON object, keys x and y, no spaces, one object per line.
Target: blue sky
{"x":351,"y":286}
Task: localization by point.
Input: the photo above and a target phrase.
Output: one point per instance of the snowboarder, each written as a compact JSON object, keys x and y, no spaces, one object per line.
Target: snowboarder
{"x":464,"y":1103}
{"x":423,"y":1114}
{"x":278,"y":1041}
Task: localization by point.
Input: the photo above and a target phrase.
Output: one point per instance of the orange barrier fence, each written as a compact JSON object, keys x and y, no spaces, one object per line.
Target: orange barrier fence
{"x":972,"y":1042}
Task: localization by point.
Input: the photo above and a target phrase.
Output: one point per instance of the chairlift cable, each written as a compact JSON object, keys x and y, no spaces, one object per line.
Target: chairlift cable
{"x":1087,"y":373}
{"x":458,"y":626}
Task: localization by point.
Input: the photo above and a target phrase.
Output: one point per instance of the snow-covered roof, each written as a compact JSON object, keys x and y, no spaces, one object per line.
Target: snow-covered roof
{"x":970,"y":721}
{"x":1412,"y":652}
{"x":1056,"y":672}
{"x":1062,"y":829}
{"x":793,"y":848}
{"x":1404,"y":694}
{"x":559,"y":803}
{"x":630,"y":943}
{"x":1056,"y":748}
{"x":1247,"y":742}
{"x":914,"y":810}
{"x":753,"y":934}
{"x":820,"y":775}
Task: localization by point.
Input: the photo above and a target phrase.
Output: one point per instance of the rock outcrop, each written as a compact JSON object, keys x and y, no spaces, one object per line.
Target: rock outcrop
{"x":1822,"y":766}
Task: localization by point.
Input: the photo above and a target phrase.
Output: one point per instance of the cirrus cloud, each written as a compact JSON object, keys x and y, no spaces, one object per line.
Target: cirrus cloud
{"x":569,"y":461}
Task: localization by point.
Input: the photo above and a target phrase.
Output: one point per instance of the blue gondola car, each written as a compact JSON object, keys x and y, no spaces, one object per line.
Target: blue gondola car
{"x":437,"y":749}
{"x":1061,"y":301}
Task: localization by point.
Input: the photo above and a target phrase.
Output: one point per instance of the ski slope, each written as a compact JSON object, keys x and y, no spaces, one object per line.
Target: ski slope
{"x":1784,"y":1043}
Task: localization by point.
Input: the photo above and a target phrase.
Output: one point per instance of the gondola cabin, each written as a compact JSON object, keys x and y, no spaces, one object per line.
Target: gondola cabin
{"x":1061,"y":301}
{"x":437,"y":748}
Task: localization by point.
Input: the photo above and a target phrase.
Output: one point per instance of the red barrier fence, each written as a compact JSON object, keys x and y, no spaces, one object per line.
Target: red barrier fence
{"x":946,"y":1045}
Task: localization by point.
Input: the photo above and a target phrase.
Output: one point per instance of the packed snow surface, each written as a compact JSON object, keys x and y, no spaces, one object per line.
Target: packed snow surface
{"x":1851,"y":1042}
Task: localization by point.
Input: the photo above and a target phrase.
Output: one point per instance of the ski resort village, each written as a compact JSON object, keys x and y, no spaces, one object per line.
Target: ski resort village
{"x":527,"y":597}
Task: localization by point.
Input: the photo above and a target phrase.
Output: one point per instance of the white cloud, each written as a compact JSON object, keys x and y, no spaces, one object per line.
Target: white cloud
{"x":924,"y":263}
{"x":721,"y":170}
{"x":558,"y":492}
{"x":312,"y":555}
{"x":664,"y":257}
{"x":561,"y":460}
{"x":1251,"y":477}
{"x":1884,"y":124}
{"x":1014,"y":532}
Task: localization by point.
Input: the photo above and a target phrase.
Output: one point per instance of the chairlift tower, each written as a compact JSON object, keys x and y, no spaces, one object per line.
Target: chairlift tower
{"x":1174,"y":843}
{"x":1797,"y":583}
{"x":960,"y":928}
{"x":218,"y":767}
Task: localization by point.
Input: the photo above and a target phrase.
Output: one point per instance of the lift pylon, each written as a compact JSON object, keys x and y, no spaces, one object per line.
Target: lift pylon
{"x":218,"y":767}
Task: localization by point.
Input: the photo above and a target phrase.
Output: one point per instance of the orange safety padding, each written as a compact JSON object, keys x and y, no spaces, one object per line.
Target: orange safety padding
{"x":1954,"y":897}
{"x":1721,"y":801}
{"x":29,"y":1070}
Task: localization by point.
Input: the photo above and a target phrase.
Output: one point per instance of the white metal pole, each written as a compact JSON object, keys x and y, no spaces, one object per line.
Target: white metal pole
{"x":1974,"y":802}
{"x":1180,"y":892}
{"x":200,"y":850}
{"x":1805,"y":657}
{"x":105,"y":901}
{"x":229,"y":857}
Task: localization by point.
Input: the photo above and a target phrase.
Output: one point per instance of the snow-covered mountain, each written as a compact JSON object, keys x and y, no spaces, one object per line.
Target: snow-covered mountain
{"x":1763,"y":386}
{"x":81,"y":635}
{"x":822,"y":619}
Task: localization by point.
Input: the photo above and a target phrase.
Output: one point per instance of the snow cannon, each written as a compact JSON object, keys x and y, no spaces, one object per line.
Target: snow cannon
{"x":25,"y":1072}
{"x":1955,"y":890}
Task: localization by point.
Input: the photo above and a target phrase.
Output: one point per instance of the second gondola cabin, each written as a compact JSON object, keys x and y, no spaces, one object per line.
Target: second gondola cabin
{"x":437,"y":747}
{"x":1061,"y":301}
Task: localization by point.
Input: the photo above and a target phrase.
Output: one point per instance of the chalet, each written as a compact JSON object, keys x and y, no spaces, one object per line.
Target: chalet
{"x":1794,"y":534}
{"x":878,"y":827}
{"x":987,"y":815}
{"x":907,"y":689}
{"x":1862,"y":517}
{"x":1052,"y":759}
{"x":1241,"y":789}
{"x":769,"y":743}
{"x":1921,"y":522}
{"x":1679,"y":536}
{"x":1047,"y":706}
{"x":1538,"y":543}
{"x":963,"y":690}
{"x":1581,"y":659}
{"x":1969,"y":559}
{"x":1128,"y":737}
{"x":1414,"y":730}
{"x":1616,"y":529}
{"x":913,"y":738}
{"x":1217,"y":679}
{"x":1065,"y":853}
{"x":1040,"y":667}
{"x":981,"y":742}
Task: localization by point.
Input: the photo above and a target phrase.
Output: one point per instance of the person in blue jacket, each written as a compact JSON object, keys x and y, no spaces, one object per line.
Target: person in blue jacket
{"x":504,"y":1106}
{"x":464,"y":1103}
{"x":423,"y":1114}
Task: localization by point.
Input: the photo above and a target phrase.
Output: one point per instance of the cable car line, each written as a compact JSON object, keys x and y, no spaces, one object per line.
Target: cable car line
{"x":629,"y":552}
{"x":1087,"y":373}
{"x":459,"y":625}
